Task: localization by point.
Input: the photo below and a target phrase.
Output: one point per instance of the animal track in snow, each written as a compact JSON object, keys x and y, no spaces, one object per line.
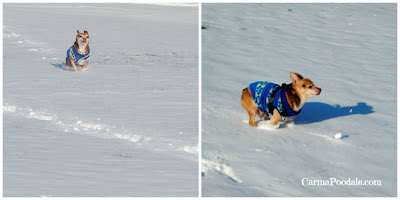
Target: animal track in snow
{"x":221,"y":168}
{"x":191,"y":149}
{"x":11,"y":35}
{"x":41,"y":116}
{"x":31,"y":45}
{"x":9,"y":108}
{"x":97,"y":129}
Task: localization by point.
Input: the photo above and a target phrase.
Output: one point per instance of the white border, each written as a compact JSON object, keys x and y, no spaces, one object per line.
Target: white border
{"x":200,"y":98}
{"x":199,"y":2}
{"x":1,"y":90}
{"x":398,"y":101}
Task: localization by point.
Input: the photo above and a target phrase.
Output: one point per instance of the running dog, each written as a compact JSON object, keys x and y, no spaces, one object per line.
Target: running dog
{"x":78,"y":54}
{"x":277,"y":103}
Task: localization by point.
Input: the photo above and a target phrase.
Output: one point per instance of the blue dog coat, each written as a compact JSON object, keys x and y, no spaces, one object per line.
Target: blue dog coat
{"x":268,"y":96}
{"x":78,"y":58}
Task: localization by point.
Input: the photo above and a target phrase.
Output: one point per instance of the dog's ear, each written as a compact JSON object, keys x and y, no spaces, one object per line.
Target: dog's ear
{"x":295,"y":77}
{"x":86,"y":32}
{"x":77,"y":32}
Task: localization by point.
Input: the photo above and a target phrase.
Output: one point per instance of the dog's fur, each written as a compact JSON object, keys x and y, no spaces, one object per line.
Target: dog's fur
{"x":81,"y":45}
{"x":297,"y":93}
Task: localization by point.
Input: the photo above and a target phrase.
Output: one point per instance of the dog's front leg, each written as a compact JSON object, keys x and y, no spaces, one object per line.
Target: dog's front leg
{"x":67,"y":62}
{"x":85,"y":65}
{"x":73,"y":64}
{"x":276,"y":117}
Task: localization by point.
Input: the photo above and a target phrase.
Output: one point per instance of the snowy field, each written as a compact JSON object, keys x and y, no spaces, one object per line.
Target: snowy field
{"x":348,"y":50}
{"x":127,"y":126}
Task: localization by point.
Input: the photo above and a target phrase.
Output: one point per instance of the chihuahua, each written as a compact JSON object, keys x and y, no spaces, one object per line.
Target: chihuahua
{"x":277,"y":103}
{"x":78,"y":54}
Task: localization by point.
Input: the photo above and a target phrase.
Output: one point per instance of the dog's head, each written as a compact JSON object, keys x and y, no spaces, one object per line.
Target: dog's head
{"x":82,"y":38}
{"x":304,"y":87}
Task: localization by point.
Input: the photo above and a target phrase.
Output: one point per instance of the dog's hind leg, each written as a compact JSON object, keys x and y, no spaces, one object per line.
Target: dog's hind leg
{"x":250,"y":106}
{"x":252,"y":118}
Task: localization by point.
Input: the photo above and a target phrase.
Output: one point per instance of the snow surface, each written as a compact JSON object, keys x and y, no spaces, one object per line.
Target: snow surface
{"x":127,"y":126}
{"x":349,"y":50}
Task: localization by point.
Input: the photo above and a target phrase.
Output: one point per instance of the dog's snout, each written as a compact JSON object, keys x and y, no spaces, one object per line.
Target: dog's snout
{"x":319,"y":91}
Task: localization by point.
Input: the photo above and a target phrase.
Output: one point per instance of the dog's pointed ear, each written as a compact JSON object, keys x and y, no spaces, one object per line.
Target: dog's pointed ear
{"x":295,"y":77}
{"x":77,"y":32}
{"x":86,"y":32}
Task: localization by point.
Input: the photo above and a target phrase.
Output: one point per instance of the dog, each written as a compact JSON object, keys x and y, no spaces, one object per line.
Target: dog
{"x":78,"y":54}
{"x":277,"y":103}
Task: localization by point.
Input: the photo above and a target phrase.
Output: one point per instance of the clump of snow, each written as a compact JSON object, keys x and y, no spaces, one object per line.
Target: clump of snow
{"x":11,"y":35}
{"x":10,"y":108}
{"x":193,"y":149}
{"x":93,"y":126}
{"x":221,"y":168}
{"x":338,"y":136}
{"x":266,"y":125}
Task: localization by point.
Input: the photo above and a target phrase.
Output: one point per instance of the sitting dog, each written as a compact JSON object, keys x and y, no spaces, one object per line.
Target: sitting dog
{"x":78,"y":54}
{"x":277,"y":103}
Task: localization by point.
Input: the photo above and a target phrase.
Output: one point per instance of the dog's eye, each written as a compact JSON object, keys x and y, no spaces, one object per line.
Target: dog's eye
{"x":304,"y":85}
{"x":80,"y":36}
{"x":310,"y":86}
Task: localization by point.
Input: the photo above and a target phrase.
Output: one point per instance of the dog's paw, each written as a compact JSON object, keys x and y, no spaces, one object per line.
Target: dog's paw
{"x":253,"y":124}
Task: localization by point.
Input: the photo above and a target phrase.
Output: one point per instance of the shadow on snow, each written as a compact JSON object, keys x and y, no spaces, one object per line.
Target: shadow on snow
{"x":62,"y":66}
{"x":58,"y":65}
{"x":317,"y":112}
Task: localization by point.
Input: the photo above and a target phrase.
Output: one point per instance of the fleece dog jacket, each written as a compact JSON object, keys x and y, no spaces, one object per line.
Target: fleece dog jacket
{"x":268,"y":96}
{"x":79,"y":59}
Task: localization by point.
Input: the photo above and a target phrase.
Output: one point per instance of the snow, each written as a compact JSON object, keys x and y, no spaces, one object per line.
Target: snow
{"x":338,"y":136}
{"x":127,"y":126}
{"x":348,"y":50}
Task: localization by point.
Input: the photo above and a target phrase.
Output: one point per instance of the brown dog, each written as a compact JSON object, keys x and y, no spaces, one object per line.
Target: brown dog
{"x":279,"y":103}
{"x":78,"y":54}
